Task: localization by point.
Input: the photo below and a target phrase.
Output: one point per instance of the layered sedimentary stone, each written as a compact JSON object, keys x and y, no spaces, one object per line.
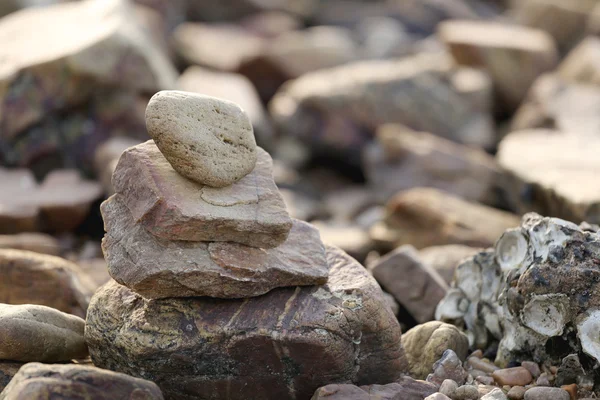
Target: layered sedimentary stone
{"x":301,"y":338}
{"x":339,"y":108}
{"x":205,"y":139}
{"x":552,"y":172}
{"x":158,"y":268}
{"x":32,"y":278}
{"x":427,"y":217}
{"x":513,"y":55}
{"x":403,"y":159}
{"x":38,"y":333}
{"x":172,"y":207}
{"x":36,"y":381}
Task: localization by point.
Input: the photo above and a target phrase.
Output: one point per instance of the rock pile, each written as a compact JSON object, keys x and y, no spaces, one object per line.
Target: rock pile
{"x":208,"y":266}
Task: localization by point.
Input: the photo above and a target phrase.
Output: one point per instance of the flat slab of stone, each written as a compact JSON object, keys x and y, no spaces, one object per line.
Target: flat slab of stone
{"x":251,"y":211}
{"x":158,"y":268}
{"x":553,"y":173}
{"x":36,"y":381}
{"x":282,"y":345}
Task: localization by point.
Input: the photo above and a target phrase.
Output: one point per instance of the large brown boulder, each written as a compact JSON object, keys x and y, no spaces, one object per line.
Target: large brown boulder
{"x":32,"y":278}
{"x":158,"y":268}
{"x":250,"y":212}
{"x":36,"y":381}
{"x":299,"y":338}
{"x":38,"y":333}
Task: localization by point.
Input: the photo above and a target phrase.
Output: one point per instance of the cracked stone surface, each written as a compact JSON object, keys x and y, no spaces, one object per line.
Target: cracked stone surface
{"x":251,"y":211}
{"x":158,"y":268}
{"x":301,"y":338}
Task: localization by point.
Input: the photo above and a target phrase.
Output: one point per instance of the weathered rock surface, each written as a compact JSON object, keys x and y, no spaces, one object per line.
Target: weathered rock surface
{"x":339,"y":108}
{"x":233,"y":87}
{"x":425,"y":344}
{"x":32,"y":278}
{"x":553,"y":173}
{"x":449,"y":366}
{"x":36,"y":381}
{"x":406,"y":389}
{"x":403,"y":159}
{"x":301,"y":338}
{"x":205,"y":139}
{"x":36,"y":242}
{"x":514,"y":56}
{"x":58,"y":68}
{"x":427,"y":217}
{"x":38,"y":333}
{"x":172,"y":207}
{"x":445,"y":259}
{"x":158,"y":268}
{"x":416,"y":286}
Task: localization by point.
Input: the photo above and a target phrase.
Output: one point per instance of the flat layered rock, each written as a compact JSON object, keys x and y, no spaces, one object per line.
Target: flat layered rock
{"x":36,"y":381}
{"x":523,"y":53}
{"x":158,"y":268}
{"x":172,"y":207}
{"x":38,"y":333}
{"x":301,"y":338}
{"x":553,"y":173}
{"x":32,"y":278}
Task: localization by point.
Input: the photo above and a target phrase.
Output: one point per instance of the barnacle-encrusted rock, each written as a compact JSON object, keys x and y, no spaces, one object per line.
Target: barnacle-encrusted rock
{"x":536,"y":292}
{"x":299,"y":338}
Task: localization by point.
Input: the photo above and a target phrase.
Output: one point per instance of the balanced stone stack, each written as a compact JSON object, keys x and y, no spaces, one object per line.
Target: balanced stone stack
{"x":217,"y":292}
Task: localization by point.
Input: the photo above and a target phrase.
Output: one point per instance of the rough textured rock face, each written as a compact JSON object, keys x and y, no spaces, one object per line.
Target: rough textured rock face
{"x":425,"y":344}
{"x":427,"y":217}
{"x":38,"y":333}
{"x":416,"y":286}
{"x":356,"y":98}
{"x":205,"y":139}
{"x":522,"y":53}
{"x":403,"y":159}
{"x":557,"y":177}
{"x":535,"y":292}
{"x":29,"y":88}
{"x":172,"y":207}
{"x":36,"y":381}
{"x":32,"y":278}
{"x":405,"y":388}
{"x":158,"y":268}
{"x":301,"y":338}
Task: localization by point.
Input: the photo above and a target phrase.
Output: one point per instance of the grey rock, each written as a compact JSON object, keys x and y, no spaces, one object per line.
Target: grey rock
{"x":448,"y":367}
{"x":544,"y":393}
{"x":467,"y":392}
{"x":496,"y":394}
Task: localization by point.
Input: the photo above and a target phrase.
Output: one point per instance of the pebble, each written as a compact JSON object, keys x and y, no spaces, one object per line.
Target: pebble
{"x":466,"y":392}
{"x":438,"y":396}
{"x":448,"y":387}
{"x":516,"y":393}
{"x":448,"y":367}
{"x":517,"y":376}
{"x":482,"y":364}
{"x":484,"y":379}
{"x":496,"y":394}
{"x":546,"y":393}
{"x":205,"y":139}
{"x":543,"y":380}
{"x":532,"y":367}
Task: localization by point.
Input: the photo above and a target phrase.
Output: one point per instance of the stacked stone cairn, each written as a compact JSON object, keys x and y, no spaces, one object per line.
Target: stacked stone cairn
{"x":217,"y":292}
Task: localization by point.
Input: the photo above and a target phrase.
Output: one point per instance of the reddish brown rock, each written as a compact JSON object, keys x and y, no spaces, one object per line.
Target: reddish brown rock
{"x":251,"y":211}
{"x":36,"y":242}
{"x":427,"y":217}
{"x":36,"y":381}
{"x":32,"y":278}
{"x":158,"y":268}
{"x":301,"y":338}
{"x":38,"y":333}
{"x":406,"y":389}
{"x":514,"y":56}
{"x":517,"y":376}
{"x":416,"y":286}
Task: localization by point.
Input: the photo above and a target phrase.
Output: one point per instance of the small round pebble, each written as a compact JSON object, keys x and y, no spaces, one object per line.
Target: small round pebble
{"x":496,"y":394}
{"x":448,"y":387}
{"x":546,"y":393}
{"x":516,"y":393}
{"x":543,"y":380}
{"x":205,"y":139}
{"x":532,"y":367}
{"x":466,"y":392}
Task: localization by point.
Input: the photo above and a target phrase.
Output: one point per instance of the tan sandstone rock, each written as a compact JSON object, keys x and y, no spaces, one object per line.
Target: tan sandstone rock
{"x":32,"y":278}
{"x":36,"y":242}
{"x":172,"y":207}
{"x":36,"y":381}
{"x":205,"y":139}
{"x":158,"y":268}
{"x":301,"y":338}
{"x":38,"y":333}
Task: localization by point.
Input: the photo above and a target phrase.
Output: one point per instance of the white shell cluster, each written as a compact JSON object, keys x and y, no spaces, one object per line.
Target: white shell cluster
{"x":508,"y":293}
